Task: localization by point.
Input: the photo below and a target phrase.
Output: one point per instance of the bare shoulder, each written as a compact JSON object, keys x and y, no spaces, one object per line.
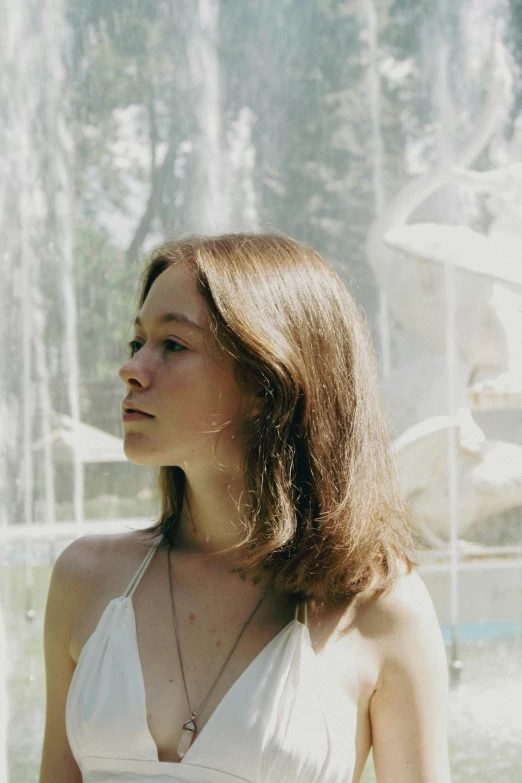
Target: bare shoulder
{"x":412,"y":683}
{"x":78,"y":565}
{"x":89,"y":559}
{"x":92,"y":570}
{"x":378,"y":633}
{"x":403,"y":628}
{"x":406,"y":600}
{"x":77,"y":589}
{"x":398,"y":624}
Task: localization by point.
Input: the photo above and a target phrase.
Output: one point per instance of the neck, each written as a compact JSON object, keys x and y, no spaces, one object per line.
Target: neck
{"x":211,"y":519}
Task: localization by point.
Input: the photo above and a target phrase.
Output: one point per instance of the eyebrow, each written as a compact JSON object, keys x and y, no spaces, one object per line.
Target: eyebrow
{"x":167,"y":318}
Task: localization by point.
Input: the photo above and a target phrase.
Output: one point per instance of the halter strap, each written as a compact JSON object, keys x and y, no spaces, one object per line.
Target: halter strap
{"x":138,"y":576}
{"x":304,"y":604}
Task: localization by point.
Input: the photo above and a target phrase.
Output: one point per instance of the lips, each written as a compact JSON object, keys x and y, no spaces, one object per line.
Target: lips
{"x":130,"y":408}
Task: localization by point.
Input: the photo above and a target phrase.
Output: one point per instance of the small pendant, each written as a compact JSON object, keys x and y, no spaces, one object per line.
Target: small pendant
{"x":189,"y":731}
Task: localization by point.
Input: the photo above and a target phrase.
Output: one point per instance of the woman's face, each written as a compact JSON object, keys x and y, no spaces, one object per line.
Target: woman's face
{"x":177,"y":375}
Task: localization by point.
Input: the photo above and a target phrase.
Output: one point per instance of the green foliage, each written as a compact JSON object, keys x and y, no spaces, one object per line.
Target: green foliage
{"x":123,"y":55}
{"x":303,"y":70}
{"x":105,"y":301}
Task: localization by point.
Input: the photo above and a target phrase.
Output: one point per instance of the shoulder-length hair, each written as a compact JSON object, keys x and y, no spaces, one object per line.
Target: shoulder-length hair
{"x":326,"y":515}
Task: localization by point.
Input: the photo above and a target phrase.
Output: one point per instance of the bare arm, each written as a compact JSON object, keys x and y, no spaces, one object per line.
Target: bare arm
{"x":408,"y":709}
{"x":63,"y":601}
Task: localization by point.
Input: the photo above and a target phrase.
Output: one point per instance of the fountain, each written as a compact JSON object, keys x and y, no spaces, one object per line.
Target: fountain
{"x":4,"y":707}
{"x":217,"y":168}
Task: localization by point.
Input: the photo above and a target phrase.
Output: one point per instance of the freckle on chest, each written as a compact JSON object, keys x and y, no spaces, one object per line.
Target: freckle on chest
{"x":192,"y":617}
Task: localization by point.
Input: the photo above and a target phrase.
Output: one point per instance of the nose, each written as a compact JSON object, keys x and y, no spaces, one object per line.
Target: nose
{"x":135,"y":373}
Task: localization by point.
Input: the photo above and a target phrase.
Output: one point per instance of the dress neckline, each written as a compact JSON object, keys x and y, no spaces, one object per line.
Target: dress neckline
{"x":288,"y":629}
{"x":126,"y":601}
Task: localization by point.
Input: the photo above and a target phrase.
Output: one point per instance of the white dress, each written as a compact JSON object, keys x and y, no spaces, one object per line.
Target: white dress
{"x":283,"y":721}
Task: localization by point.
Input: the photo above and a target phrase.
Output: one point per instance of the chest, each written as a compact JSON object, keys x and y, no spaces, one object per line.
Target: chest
{"x":205,"y":639}
{"x":193,"y":670}
{"x":208,"y":625}
{"x":280,"y":720}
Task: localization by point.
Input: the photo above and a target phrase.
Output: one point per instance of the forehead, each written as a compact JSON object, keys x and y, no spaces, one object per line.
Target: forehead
{"x":175,"y":290}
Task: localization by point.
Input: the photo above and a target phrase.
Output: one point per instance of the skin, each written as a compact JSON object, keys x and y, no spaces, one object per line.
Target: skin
{"x":178,"y":374}
{"x":385,"y":652}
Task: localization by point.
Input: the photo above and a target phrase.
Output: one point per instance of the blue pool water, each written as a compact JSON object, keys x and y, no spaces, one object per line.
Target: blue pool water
{"x":483,"y":632}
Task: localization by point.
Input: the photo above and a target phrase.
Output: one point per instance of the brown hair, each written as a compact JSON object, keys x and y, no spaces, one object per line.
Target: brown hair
{"x":327,"y":517}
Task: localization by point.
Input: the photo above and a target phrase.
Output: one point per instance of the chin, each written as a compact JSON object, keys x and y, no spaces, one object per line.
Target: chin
{"x":138,"y":460}
{"x":140,"y":455}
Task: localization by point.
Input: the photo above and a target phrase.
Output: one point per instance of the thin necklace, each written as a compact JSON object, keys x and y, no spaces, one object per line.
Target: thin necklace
{"x":190,"y":727}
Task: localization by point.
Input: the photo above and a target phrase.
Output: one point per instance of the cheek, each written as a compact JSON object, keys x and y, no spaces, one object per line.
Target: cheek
{"x":218,"y":401}
{"x":202,"y":394}
{"x":220,"y":398}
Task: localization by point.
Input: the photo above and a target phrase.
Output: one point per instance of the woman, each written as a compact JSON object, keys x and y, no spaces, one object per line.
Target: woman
{"x":273,"y":628}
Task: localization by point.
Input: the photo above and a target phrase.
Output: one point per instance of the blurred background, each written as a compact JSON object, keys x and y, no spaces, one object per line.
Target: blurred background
{"x":387,"y":134}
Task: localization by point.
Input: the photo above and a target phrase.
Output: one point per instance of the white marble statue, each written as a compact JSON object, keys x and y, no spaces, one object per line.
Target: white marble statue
{"x":408,"y":260}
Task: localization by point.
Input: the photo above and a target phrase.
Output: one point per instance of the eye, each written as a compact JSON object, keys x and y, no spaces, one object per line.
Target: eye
{"x":172,"y":346}
{"x":133,"y":346}
{"x":169,"y":344}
